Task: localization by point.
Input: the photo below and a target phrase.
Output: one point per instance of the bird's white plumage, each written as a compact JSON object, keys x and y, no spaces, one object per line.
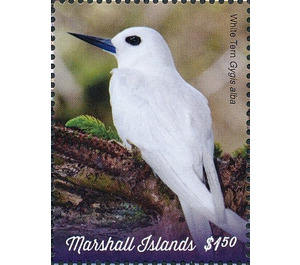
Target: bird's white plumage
{"x":170,"y":122}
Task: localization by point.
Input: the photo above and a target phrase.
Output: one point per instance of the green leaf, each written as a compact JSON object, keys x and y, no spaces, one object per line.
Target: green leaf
{"x":93,"y":126}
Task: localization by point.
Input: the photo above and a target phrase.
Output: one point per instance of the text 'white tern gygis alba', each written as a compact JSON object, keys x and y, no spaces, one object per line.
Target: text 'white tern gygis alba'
{"x":170,"y":122}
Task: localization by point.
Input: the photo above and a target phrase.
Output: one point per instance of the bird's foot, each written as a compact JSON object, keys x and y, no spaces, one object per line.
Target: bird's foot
{"x":136,"y":153}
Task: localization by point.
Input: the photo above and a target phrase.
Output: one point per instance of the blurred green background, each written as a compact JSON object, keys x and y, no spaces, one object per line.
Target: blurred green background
{"x":198,"y":36}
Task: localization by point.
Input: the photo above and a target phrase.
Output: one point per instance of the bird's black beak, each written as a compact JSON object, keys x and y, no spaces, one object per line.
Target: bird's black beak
{"x":102,"y":43}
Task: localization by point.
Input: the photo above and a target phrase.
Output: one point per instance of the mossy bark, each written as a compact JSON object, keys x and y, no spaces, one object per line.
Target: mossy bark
{"x":92,"y":176}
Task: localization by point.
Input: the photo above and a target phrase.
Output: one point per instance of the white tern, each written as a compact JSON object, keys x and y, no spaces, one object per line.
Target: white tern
{"x":170,"y":122}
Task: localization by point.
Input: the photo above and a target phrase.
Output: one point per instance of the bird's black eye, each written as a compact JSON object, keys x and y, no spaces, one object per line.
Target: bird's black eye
{"x":133,"y":40}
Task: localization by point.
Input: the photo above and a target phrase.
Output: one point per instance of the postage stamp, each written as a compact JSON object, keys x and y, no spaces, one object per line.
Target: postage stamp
{"x":150,"y":132}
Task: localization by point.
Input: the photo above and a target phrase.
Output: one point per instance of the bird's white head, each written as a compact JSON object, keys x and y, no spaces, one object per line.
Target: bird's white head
{"x":140,"y":48}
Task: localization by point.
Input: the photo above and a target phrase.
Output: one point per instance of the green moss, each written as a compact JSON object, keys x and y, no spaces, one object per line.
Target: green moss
{"x":58,"y":160}
{"x":218,"y":150}
{"x":243,"y":151}
{"x":60,"y":198}
{"x":93,"y":126}
{"x":102,"y":182}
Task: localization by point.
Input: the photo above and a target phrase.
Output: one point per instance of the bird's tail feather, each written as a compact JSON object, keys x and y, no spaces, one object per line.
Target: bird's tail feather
{"x":214,"y":185}
{"x":198,"y":223}
{"x":235,"y":225}
{"x":226,"y":219}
